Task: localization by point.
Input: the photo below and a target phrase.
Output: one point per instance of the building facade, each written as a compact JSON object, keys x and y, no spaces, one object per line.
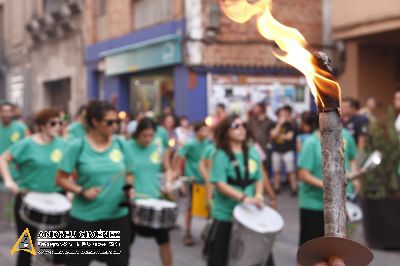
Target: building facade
{"x":147,"y":54}
{"x":368,"y":34}
{"x":15,"y":67}
{"x":42,"y":56}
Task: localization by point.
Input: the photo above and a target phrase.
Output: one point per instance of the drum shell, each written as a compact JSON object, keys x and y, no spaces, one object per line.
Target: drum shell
{"x":248,"y":247}
{"x":154,"y":218}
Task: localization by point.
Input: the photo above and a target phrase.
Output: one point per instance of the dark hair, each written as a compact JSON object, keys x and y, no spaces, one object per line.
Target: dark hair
{"x":183,"y":117}
{"x":311,"y":119}
{"x":221,"y":105}
{"x":44,"y":115}
{"x":96,"y":110}
{"x":287,"y":108}
{"x":7,"y":103}
{"x":145,"y":123}
{"x":262,"y":106}
{"x":81,"y":110}
{"x":199,"y":125}
{"x":353,"y":102}
{"x":221,"y":134}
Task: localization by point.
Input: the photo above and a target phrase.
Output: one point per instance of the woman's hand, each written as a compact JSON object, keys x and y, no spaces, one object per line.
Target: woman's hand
{"x":12,"y":186}
{"x":91,"y":193}
{"x":257,"y":202}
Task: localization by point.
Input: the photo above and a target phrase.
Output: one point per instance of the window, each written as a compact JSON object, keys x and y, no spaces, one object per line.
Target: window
{"x":50,"y":6}
{"x":150,"y":12}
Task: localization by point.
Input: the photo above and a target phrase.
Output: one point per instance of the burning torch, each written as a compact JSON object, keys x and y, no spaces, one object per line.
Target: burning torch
{"x":319,"y":74}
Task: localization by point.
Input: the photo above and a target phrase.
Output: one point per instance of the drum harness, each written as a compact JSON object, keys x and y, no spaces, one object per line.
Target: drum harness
{"x":238,"y":181}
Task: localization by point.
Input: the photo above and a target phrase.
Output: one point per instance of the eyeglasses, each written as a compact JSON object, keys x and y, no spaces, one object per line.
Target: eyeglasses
{"x":55,"y":123}
{"x":111,"y":122}
{"x":237,"y":125}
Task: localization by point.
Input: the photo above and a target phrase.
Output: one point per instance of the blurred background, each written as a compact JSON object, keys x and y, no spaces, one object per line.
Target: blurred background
{"x":148,"y":54}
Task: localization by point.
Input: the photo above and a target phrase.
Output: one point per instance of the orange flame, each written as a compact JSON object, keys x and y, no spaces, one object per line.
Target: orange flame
{"x":291,"y":42}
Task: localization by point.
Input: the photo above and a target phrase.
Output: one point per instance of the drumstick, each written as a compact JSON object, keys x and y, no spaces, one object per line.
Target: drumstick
{"x":108,"y":182}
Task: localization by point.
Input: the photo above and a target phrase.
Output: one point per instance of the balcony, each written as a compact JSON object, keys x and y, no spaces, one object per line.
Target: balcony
{"x":56,"y":22}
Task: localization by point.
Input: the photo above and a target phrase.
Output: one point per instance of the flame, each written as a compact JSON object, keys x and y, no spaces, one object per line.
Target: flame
{"x":293,"y":44}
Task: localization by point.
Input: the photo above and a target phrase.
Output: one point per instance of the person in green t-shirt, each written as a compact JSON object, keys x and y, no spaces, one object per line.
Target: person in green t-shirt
{"x":191,"y":154}
{"x":310,"y":175}
{"x":37,"y":158}
{"x":146,"y":168}
{"x":11,"y":131}
{"x":77,"y":129}
{"x":236,"y":173}
{"x":205,"y":166}
{"x":105,"y":180}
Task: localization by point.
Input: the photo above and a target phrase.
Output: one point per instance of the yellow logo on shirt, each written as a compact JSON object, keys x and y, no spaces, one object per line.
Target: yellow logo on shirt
{"x":56,"y":156}
{"x":115,"y":155}
{"x":155,"y":157}
{"x":15,"y":136}
{"x":252,"y":166}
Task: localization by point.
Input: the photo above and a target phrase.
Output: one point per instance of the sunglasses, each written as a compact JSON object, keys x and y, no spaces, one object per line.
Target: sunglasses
{"x":111,"y":122}
{"x":55,"y":123}
{"x":237,"y":125}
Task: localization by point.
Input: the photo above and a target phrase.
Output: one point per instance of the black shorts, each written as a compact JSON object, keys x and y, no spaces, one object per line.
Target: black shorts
{"x":161,"y":235}
{"x":311,"y":225}
{"x":122,"y":224}
{"x":217,"y":243}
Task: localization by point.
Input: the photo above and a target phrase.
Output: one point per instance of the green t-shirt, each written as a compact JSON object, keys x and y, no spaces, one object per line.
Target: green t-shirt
{"x":350,"y":148}
{"x":222,"y":169}
{"x":192,"y":152}
{"x":10,"y":135}
{"x":146,"y":167}
{"x":37,"y":164}
{"x":106,"y":170}
{"x":161,"y":138}
{"x":310,"y":158}
{"x":76,"y":130}
{"x":209,"y":152}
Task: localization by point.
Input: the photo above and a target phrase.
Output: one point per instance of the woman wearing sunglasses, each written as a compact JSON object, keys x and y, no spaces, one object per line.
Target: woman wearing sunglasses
{"x":37,"y":158}
{"x":103,"y":167}
{"x":236,"y":173}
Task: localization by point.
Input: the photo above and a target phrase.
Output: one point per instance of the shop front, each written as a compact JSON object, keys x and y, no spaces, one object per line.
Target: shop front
{"x":138,"y":72}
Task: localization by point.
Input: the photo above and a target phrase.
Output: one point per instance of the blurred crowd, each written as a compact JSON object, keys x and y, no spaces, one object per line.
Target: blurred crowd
{"x":282,"y":154}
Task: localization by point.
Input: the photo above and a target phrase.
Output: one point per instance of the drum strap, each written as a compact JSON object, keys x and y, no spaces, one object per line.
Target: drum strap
{"x":239,"y":181}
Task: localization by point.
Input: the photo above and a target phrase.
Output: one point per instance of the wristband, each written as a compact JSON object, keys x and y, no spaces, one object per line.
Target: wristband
{"x":81,"y":193}
{"x":259,"y":196}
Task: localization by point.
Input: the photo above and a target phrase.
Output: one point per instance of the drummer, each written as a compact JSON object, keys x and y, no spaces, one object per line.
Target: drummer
{"x":37,"y":158}
{"x":103,"y":168}
{"x":236,"y":172}
{"x":146,"y":168}
{"x":191,"y":152}
{"x":310,"y":174}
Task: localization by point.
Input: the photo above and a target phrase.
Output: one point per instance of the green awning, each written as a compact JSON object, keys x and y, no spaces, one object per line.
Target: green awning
{"x":154,"y":53}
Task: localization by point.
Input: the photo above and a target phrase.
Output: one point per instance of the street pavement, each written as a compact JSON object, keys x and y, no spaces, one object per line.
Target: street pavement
{"x":145,"y":251}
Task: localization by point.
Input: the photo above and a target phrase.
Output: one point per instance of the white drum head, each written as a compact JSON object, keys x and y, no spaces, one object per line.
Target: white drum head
{"x":265,"y":220}
{"x":47,"y":202}
{"x":353,"y":211}
{"x":157,"y":204}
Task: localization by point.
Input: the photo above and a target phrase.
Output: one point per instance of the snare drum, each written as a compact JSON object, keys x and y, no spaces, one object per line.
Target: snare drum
{"x":253,"y":234}
{"x":154,"y":213}
{"x":45,"y":210}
